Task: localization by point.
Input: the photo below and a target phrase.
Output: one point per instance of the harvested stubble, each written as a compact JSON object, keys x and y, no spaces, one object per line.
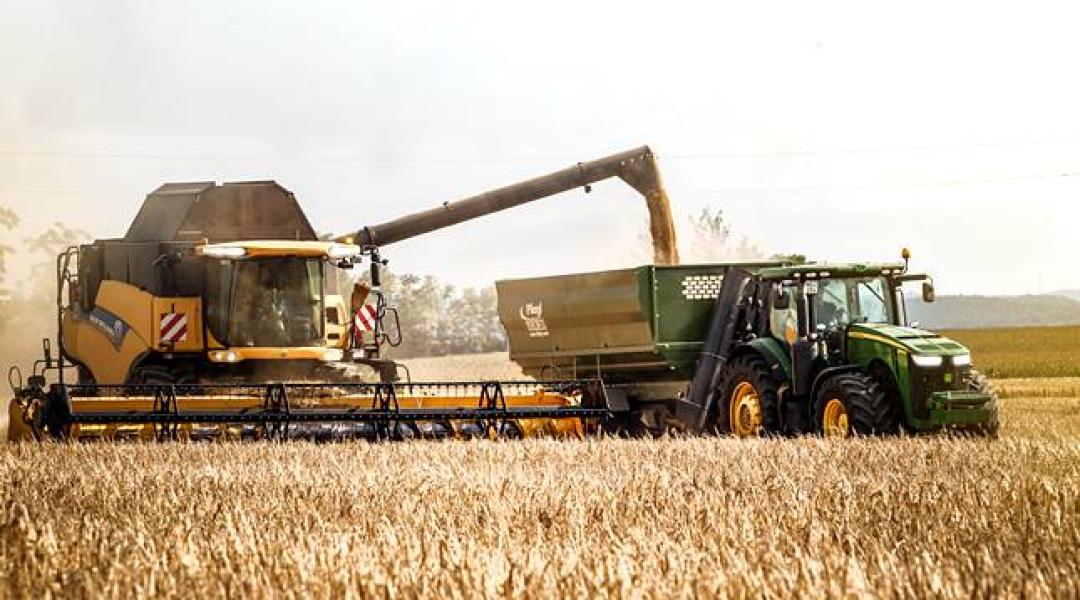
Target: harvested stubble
{"x":678,"y":517}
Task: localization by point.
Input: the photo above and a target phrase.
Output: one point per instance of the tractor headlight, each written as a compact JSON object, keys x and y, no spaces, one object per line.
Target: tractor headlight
{"x":961,"y":360}
{"x":225,"y":356}
{"x":926,"y":362}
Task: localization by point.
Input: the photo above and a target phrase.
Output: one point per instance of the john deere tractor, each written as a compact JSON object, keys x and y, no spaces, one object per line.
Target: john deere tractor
{"x":829,"y":348}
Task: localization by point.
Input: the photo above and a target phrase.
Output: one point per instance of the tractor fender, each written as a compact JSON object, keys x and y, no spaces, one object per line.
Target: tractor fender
{"x":773,"y":353}
{"x":826,"y":374}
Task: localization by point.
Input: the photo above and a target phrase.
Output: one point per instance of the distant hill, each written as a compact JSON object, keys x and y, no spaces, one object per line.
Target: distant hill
{"x":962,"y":312}
{"x":1073,"y":294}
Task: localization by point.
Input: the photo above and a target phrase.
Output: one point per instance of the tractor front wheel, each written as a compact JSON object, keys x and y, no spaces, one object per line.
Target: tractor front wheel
{"x":749,"y":405}
{"x":854,"y":404}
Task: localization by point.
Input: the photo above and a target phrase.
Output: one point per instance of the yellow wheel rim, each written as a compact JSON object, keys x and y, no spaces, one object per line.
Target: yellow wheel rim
{"x":745,"y":411}
{"x":834,"y":422}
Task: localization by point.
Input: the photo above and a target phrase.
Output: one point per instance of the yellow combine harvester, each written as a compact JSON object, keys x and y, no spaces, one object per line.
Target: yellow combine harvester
{"x":219,"y":314}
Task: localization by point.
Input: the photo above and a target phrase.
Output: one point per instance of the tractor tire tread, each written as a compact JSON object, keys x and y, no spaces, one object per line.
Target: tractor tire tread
{"x":870,"y":411}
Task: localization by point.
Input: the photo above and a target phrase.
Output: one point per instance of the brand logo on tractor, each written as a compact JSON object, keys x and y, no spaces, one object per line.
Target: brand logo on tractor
{"x":533,"y":315}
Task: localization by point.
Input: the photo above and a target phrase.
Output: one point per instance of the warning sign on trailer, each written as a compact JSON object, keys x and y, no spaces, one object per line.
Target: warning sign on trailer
{"x":173,"y":327}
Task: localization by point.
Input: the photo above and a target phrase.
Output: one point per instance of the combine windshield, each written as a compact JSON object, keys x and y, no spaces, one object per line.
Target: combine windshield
{"x":266,"y":302}
{"x":840,"y":302}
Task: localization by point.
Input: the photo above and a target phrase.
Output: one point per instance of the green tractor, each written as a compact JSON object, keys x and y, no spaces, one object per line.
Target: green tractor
{"x":751,"y":349}
{"x":828,"y":348}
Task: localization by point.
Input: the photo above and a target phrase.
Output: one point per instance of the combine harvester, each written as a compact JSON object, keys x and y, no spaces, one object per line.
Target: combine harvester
{"x":217,"y":316}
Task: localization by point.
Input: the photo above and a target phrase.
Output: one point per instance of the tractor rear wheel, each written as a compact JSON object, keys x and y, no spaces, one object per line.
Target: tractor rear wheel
{"x":749,"y":404}
{"x":977,"y":382}
{"x":854,"y":404}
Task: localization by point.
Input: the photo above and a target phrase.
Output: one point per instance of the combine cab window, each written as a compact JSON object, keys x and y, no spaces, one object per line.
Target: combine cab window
{"x":266,"y":302}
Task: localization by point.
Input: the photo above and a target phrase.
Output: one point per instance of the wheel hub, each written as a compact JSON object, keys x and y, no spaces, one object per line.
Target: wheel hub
{"x":745,"y":411}
{"x":834,"y":421}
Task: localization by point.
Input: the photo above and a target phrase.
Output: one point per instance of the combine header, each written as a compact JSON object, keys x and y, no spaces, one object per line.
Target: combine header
{"x":320,"y":411}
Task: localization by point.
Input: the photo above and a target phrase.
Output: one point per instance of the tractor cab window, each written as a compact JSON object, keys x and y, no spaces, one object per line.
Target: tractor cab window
{"x":266,"y":302}
{"x":783,"y":322}
{"x":871,"y":295}
{"x":840,"y":302}
{"x":831,"y":303}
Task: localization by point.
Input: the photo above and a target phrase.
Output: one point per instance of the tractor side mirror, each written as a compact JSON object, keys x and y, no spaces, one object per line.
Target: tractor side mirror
{"x":780,"y":298}
{"x":928,"y":294}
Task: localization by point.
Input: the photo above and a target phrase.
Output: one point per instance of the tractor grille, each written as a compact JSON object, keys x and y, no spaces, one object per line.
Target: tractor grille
{"x":926,"y":381}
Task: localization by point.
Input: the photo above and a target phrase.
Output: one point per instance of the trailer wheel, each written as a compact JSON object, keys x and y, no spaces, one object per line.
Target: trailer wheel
{"x":854,"y":404}
{"x":750,"y":400}
{"x":977,"y":382}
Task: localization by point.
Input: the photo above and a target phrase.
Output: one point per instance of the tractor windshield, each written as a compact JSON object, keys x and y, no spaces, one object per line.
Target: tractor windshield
{"x":266,"y":302}
{"x":840,"y":302}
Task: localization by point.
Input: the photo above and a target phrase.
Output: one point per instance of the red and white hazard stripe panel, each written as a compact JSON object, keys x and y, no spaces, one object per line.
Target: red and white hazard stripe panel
{"x":173,"y":327}
{"x":365,"y":318}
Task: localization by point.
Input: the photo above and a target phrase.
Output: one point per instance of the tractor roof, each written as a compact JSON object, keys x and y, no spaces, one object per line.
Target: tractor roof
{"x":834,"y":270}
{"x":220,"y":213}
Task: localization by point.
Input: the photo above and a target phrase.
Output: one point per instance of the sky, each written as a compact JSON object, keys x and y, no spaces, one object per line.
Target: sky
{"x":839,"y":130}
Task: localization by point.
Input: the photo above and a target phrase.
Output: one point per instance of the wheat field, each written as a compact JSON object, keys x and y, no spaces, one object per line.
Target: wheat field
{"x":910,"y":517}
{"x":1024,"y":351}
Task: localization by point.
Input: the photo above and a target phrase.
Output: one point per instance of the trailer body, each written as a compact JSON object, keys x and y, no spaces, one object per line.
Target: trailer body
{"x":644,"y":324}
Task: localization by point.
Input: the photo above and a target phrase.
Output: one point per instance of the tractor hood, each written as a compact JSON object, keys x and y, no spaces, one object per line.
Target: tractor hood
{"x":915,"y":341}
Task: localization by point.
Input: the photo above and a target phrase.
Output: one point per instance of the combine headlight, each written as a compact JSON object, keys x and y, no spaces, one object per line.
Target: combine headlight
{"x":926,"y":362}
{"x":961,"y":360}
{"x":340,"y":251}
{"x":333,"y":354}
{"x":224,"y":251}
{"x":225,"y":356}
